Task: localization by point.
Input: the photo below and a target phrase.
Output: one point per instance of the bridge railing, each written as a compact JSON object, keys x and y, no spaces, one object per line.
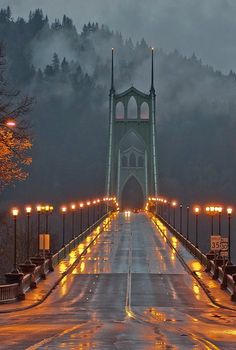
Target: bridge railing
{"x":9,"y":292}
{"x":220,"y":269}
{"x":16,"y":291}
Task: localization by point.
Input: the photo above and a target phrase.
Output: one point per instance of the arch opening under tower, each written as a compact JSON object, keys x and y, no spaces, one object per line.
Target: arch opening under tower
{"x":132,"y":195}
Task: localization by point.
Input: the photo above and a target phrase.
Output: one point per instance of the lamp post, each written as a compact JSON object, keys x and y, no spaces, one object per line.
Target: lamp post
{"x":28,"y":212}
{"x":169,"y":212}
{"x":196,"y":211}
{"x":220,"y":209}
{"x":63,"y":210}
{"x":165,"y":202}
{"x":229,"y":212}
{"x":47,"y":209}
{"x":94,"y":211}
{"x":88,"y":212}
{"x":187,"y":223}
{"x":15,"y":213}
{"x":174,"y":203}
{"x":39,"y":210}
{"x":211,"y":211}
{"x":180,"y":218}
{"x":81,"y":217}
{"x":99,"y":208}
{"x":73,"y":208}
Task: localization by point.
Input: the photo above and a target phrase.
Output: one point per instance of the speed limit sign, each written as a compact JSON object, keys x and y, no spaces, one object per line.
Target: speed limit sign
{"x":224,"y":246}
{"x":215,"y":243}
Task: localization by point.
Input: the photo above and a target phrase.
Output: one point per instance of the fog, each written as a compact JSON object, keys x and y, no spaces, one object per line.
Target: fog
{"x":205,"y":27}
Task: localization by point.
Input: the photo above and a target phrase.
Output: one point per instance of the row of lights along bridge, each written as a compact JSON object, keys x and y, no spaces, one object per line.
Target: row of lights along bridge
{"x":95,"y":210}
{"x":164,"y":208}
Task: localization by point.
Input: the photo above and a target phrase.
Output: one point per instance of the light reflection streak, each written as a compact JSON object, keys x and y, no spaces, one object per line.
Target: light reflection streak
{"x":196,"y":291}
{"x":63,"y":267}
{"x":63,"y":288}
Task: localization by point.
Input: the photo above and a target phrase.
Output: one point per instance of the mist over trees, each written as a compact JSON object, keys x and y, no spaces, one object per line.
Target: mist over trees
{"x":69,"y":74}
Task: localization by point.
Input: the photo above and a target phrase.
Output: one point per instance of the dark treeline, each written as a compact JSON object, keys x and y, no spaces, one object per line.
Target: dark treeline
{"x":69,"y":73}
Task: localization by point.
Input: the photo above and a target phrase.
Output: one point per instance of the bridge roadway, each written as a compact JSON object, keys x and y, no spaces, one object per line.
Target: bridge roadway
{"x":128,"y":292}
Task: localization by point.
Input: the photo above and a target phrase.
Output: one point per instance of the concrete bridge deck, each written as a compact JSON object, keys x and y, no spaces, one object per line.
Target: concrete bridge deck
{"x":129,"y":291}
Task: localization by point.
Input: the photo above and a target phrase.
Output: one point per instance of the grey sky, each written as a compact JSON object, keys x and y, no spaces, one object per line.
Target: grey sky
{"x":206,"y":27}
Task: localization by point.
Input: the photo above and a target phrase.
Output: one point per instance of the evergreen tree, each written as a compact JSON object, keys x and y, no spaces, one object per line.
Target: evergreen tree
{"x":64,"y":65}
{"x":48,"y":71}
{"x":55,"y":63}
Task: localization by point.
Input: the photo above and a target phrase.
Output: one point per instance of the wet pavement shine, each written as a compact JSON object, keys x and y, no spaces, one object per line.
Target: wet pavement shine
{"x":129,"y":291}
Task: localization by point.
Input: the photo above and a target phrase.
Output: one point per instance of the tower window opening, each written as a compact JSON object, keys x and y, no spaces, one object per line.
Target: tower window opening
{"x":132,"y":160}
{"x":120,"y":112}
{"x":144,"y":111}
{"x":132,"y":109}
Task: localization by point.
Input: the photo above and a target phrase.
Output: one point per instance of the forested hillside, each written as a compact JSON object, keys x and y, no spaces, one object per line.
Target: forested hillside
{"x":69,"y":74}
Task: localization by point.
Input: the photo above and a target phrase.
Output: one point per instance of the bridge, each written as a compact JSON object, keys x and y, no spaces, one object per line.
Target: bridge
{"x":125,"y":271}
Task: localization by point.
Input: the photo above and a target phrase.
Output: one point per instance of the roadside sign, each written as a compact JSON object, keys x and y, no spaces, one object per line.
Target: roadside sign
{"x":216,"y":243}
{"x":44,"y":241}
{"x":224,"y":246}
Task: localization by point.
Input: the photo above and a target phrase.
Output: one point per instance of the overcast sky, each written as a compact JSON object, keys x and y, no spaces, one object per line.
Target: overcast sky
{"x":207,"y":27}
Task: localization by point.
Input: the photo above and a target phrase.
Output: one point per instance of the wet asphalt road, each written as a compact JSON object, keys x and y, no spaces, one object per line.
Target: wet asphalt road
{"x":128,"y":292}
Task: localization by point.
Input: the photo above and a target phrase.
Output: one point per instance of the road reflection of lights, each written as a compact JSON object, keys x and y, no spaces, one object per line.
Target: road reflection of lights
{"x":196,"y":266}
{"x":63,"y":288}
{"x":230,"y":331}
{"x":72,"y":257}
{"x":174,"y":242}
{"x":62,"y":267}
{"x":159,"y":316}
{"x":196,"y":291}
{"x":81,"y":248}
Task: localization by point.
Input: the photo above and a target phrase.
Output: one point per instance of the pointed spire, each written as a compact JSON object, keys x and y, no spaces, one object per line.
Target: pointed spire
{"x":112,"y":70}
{"x":152,"y":73}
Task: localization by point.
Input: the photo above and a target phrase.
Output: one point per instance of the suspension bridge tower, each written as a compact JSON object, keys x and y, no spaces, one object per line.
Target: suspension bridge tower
{"x":132,"y":158}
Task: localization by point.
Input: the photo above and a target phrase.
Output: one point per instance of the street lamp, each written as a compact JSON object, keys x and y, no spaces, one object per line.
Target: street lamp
{"x":39,"y":210}
{"x":73,"y":208}
{"x":63,"y":210}
{"x":187,"y":223}
{"x":196,"y":211}
{"x":180,"y":218}
{"x":15,"y":213}
{"x":219,"y":209}
{"x":174,"y":204}
{"x":94,"y":210}
{"x":169,"y":212}
{"x":47,"y":210}
{"x":212,"y":211}
{"x":229,"y":212}
{"x":88,"y":222}
{"x":165,"y":202}
{"x":99,"y":208}
{"x":81,"y":217}
{"x":28,"y":212}
{"x":10,"y":123}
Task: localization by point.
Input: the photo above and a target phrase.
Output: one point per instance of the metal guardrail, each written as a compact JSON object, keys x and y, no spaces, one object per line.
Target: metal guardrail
{"x":15,"y":291}
{"x":9,"y":292}
{"x":226,"y":280}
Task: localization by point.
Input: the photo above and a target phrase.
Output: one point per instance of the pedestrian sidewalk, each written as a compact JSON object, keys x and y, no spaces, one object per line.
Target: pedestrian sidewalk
{"x":36,"y":296}
{"x":218,"y":296}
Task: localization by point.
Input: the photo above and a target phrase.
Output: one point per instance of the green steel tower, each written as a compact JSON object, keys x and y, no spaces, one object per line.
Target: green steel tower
{"x":132,"y":140}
